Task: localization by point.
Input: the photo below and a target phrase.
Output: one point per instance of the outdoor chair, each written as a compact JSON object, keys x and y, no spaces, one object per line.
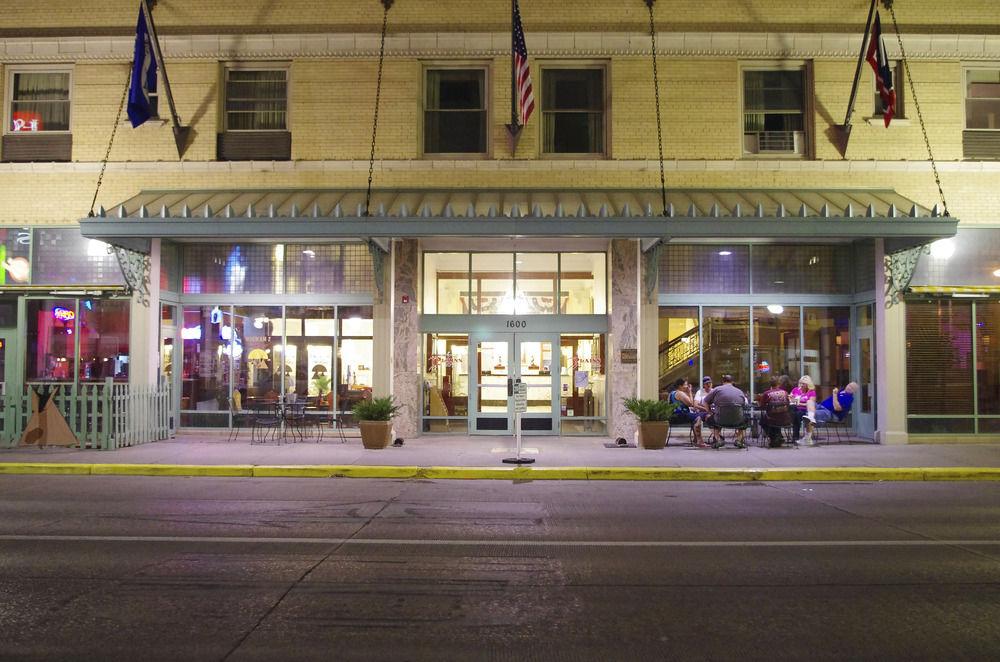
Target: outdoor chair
{"x":779,"y":415}
{"x":833,"y":426}
{"x":266,"y":420}
{"x":343,"y":422}
{"x":241,"y":418}
{"x":296,"y":420}
{"x":730,"y":417}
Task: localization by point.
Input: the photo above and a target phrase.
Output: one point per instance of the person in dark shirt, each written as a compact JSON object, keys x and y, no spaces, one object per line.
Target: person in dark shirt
{"x":837,"y":406}
{"x":776,"y":412}
{"x":727,"y":394}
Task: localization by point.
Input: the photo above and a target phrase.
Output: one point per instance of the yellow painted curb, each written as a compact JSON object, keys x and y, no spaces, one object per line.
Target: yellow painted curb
{"x":45,"y":468}
{"x":224,"y":470}
{"x":513,"y":473}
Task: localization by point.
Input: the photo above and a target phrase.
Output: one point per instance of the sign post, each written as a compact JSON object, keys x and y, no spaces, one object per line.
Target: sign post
{"x":520,"y":407}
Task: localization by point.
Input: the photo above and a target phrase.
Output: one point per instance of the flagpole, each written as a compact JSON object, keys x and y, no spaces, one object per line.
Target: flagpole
{"x":181,"y":133}
{"x":846,"y":128}
{"x":514,"y":128}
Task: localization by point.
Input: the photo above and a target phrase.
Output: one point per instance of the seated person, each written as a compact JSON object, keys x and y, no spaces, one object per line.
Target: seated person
{"x":687,"y":410}
{"x":726,"y":394}
{"x":706,"y":388}
{"x":776,"y":412}
{"x":837,"y":406}
{"x":801,"y":396}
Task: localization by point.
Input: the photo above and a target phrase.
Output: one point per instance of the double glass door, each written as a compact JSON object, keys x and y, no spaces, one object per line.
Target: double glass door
{"x":497,"y":361}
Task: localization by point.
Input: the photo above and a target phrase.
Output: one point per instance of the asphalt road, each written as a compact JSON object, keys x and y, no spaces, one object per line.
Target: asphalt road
{"x":108,"y":568}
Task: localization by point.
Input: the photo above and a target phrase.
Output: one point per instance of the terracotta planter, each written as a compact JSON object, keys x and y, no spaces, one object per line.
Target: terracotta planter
{"x":653,"y":434}
{"x":375,"y":434}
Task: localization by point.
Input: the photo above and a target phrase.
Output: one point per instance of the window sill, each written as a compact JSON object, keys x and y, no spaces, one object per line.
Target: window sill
{"x":878,"y":121}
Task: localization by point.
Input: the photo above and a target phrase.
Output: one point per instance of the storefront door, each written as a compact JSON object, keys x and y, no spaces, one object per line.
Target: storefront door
{"x":865,"y":409}
{"x":497,"y":361}
{"x":8,"y":378}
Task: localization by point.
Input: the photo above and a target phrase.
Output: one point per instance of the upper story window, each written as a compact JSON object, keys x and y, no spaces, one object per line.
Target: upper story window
{"x":982,"y":99}
{"x":573,"y":111}
{"x":39,"y":101}
{"x":774,"y":111}
{"x":256,"y":99}
{"x":981,"y":138}
{"x":455,"y":111}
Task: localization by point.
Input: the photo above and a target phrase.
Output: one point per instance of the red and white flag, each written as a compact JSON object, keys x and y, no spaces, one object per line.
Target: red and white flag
{"x":883,"y":72}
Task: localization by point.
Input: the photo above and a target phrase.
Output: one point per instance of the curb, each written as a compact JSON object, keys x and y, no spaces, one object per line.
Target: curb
{"x":510,"y":473}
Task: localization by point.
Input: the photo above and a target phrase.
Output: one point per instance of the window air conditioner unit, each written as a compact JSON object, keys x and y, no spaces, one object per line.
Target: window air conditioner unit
{"x":774,"y":142}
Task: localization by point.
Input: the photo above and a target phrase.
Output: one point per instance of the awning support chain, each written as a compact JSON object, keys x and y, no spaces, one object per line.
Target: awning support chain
{"x":916,"y":104}
{"x":111,"y":142}
{"x":651,"y":272}
{"x":659,"y":123}
{"x":386,"y":4}
{"x":136,"y":268}
{"x":378,"y":269}
{"x":899,"y":268}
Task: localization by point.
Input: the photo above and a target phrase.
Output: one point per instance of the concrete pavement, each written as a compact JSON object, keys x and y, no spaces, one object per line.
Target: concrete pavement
{"x":563,"y":458}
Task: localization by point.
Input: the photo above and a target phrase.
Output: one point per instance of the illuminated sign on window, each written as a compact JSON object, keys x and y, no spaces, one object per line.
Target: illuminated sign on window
{"x":63,"y":314}
{"x":25,"y":122}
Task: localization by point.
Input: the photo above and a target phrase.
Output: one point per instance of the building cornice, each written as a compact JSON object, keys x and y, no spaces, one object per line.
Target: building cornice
{"x":520,"y":165}
{"x":744,"y":45}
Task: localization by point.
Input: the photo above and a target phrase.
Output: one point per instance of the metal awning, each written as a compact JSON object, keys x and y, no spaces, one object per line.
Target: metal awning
{"x":331,"y":214}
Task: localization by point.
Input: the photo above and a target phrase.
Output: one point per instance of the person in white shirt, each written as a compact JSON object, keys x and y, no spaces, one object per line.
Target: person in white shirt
{"x":706,"y":388}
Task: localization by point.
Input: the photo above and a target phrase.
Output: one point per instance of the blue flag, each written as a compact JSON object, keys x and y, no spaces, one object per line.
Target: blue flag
{"x":143,"y":75}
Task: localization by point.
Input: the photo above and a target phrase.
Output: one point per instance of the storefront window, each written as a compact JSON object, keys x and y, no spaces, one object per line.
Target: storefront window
{"x":355,"y":357}
{"x":776,"y":344}
{"x":826,"y":356}
{"x":493,"y":283}
{"x":446,"y":284}
{"x":446,"y":382}
{"x":328,"y":269}
{"x":258,"y":367}
{"x":679,"y":347}
{"x":51,"y":340}
{"x":310,"y":337}
{"x":233,"y":268}
{"x":726,"y":338}
{"x":536,"y":283}
{"x":807,"y":269}
{"x":988,"y":360}
{"x":104,"y":327}
{"x":704,"y":269}
{"x":15,"y":255}
{"x":205,"y":380}
{"x":581,"y":379}
{"x":583,"y":284}
{"x":62,"y":256}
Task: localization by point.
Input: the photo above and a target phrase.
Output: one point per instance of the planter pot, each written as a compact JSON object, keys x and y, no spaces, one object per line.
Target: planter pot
{"x":375,"y":434}
{"x":653,"y":435}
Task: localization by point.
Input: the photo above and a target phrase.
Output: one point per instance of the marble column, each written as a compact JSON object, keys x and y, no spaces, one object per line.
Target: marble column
{"x":405,"y":336}
{"x":144,"y":328}
{"x":649,"y":333}
{"x":890,"y":361}
{"x":623,"y":336}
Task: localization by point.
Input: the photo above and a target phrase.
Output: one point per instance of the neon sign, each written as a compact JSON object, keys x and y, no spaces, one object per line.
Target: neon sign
{"x":63,"y":314}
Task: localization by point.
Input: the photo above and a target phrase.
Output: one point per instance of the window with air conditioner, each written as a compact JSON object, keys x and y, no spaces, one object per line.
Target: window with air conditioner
{"x":37,"y":126}
{"x":981,"y":138}
{"x":774,"y":112}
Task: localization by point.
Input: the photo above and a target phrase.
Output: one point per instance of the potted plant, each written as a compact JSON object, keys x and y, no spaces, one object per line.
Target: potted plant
{"x":654,"y":420}
{"x":322,"y":384}
{"x":374,"y":417}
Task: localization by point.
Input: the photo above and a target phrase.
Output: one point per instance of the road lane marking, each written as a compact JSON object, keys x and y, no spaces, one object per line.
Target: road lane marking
{"x":486,"y":542}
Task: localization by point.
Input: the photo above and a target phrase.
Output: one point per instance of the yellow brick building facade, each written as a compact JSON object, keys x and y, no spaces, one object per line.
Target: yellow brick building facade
{"x":705,"y":49}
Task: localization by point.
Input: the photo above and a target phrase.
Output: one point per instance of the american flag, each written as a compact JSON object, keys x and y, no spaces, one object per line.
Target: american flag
{"x":525,"y":96}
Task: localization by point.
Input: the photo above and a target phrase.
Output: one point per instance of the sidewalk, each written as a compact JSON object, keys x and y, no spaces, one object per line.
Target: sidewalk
{"x":481,"y":457}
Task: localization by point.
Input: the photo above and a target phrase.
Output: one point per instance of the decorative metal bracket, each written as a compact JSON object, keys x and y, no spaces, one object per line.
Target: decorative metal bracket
{"x":899,"y":268}
{"x":136,"y":268}
{"x":651,"y":272}
{"x":379,"y":256}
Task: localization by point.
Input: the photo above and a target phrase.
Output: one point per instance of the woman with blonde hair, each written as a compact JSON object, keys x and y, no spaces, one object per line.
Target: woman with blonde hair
{"x":803,"y":397}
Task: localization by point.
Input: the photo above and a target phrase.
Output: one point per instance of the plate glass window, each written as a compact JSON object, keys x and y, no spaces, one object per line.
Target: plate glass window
{"x":774,"y":112}
{"x":39,"y":102}
{"x":455,"y":111}
{"x":256,"y":100}
{"x":573,"y":111}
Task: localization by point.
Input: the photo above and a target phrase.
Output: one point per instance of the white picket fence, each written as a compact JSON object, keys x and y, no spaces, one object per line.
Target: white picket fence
{"x":102,"y":416}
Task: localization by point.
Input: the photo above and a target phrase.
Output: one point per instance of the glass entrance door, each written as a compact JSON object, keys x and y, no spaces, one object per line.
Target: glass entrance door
{"x":497,"y":360}
{"x":865,"y":408}
{"x":8,"y":358}
{"x":490,"y":399}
